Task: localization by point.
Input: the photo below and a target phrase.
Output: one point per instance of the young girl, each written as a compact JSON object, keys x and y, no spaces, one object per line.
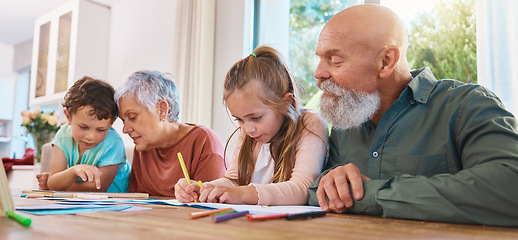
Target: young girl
{"x":282,"y":147}
{"x":88,"y":155}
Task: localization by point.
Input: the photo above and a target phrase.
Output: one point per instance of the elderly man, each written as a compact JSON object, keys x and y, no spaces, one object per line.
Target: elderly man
{"x":404,"y":144}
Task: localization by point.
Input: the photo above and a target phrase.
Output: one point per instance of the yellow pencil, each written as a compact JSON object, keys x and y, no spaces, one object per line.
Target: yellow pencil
{"x":180,"y":158}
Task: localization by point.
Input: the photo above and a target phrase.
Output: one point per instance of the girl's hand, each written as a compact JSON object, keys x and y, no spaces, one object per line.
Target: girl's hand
{"x":185,"y":192}
{"x":232,"y":195}
{"x":88,"y":173}
{"x":42,"y":180}
{"x":221,"y":194}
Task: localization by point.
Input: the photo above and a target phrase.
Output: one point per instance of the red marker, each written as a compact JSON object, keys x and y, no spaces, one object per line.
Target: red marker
{"x":258,"y":217}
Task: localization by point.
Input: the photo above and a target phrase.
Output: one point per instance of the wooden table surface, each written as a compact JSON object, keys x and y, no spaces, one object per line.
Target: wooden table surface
{"x":171,"y":222}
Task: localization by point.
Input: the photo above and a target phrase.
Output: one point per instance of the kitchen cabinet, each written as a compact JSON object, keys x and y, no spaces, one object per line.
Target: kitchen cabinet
{"x":70,"y":42}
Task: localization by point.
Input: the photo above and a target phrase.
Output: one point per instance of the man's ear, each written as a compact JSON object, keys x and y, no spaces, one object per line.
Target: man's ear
{"x":388,"y":58}
{"x":288,"y":98}
{"x":162,"y":109}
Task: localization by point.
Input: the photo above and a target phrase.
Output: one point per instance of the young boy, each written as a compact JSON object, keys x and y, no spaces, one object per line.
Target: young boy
{"x":88,"y":155}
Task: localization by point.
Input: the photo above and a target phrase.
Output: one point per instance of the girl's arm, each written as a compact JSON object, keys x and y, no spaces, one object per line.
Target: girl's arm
{"x":231,"y":172}
{"x":311,"y":152}
{"x":226,"y":194}
{"x":62,"y":178}
{"x":224,"y":184}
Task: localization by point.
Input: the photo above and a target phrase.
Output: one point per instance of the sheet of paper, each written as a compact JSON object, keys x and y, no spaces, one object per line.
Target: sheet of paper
{"x":253,"y":209}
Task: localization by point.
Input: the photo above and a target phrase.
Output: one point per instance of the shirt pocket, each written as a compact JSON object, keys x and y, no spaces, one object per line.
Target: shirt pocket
{"x":422,"y":165}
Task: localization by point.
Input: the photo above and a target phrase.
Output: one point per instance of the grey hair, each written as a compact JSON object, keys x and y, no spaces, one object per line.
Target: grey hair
{"x":150,"y":87}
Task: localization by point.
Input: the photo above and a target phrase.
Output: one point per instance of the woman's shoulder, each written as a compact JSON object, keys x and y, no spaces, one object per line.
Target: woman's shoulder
{"x":201,"y":133}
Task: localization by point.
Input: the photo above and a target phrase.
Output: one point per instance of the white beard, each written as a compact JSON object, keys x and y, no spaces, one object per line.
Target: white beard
{"x":346,"y":108}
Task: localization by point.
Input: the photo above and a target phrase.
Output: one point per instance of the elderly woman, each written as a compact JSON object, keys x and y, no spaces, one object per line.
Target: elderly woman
{"x":149,"y":106}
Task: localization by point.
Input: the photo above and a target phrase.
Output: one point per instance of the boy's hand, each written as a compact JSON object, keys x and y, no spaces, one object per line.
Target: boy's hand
{"x":88,"y":173}
{"x":185,"y":192}
{"x":42,"y":180}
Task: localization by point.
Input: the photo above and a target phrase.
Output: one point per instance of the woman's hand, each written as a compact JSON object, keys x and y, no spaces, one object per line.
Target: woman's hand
{"x":232,"y":195}
{"x":88,"y":173}
{"x":185,"y":192}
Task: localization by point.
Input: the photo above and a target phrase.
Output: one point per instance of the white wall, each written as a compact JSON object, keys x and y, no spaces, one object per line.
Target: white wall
{"x":274,"y":27}
{"x":497,"y":61}
{"x":7,"y":83}
{"x":6,"y":59}
{"x":144,"y":40}
{"x":23,"y":55}
{"x":232,"y":43}
{"x":141,"y":37}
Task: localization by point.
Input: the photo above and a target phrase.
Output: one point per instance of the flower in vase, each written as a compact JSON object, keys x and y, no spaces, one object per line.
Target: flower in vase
{"x":42,"y":126}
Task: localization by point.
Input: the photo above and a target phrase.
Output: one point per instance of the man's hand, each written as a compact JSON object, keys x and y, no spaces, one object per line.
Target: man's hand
{"x":335,"y":186}
{"x":42,"y":180}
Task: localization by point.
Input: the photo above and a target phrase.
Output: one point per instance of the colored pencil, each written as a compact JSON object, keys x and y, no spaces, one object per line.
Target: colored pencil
{"x":185,"y":173}
{"x":258,"y":217}
{"x":306,"y":215}
{"x":229,"y":216}
{"x":207,"y":213}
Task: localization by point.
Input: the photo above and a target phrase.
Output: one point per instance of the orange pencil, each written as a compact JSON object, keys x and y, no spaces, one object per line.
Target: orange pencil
{"x":206,"y":213}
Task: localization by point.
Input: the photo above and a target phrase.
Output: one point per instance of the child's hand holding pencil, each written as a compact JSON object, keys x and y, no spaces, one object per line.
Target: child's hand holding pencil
{"x":185,"y":192}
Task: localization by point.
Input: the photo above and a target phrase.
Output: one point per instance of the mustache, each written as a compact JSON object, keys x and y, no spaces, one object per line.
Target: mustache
{"x":335,"y":89}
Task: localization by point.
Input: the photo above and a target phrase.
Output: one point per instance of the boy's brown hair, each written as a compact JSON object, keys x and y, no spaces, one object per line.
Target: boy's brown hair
{"x":94,"y":92}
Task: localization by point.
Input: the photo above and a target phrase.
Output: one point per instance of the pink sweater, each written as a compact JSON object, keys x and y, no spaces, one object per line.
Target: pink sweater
{"x":311,"y":151}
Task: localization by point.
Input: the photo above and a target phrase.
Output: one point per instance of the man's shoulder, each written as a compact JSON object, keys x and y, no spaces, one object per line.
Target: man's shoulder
{"x":453,"y":89}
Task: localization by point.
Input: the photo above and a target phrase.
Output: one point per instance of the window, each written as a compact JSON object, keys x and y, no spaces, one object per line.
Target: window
{"x":307,"y":17}
{"x":441,"y":36}
{"x":430,"y":25}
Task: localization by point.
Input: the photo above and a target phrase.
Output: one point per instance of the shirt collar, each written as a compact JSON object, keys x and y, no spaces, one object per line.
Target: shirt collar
{"x":422,"y":84}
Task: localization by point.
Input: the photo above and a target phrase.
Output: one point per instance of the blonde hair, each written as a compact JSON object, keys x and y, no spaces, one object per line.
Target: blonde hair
{"x":266,"y":66}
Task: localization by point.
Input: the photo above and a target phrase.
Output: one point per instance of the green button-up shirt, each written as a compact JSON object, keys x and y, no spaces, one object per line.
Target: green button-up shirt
{"x":444,"y":151}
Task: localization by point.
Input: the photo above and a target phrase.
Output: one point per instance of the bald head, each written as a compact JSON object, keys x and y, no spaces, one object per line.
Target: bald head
{"x":369,"y":25}
{"x":362,"y":49}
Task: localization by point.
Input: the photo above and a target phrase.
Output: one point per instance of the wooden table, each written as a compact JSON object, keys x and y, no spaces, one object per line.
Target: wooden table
{"x":170,"y":222}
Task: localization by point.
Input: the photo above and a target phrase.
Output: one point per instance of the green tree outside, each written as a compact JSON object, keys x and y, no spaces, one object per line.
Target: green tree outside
{"x":444,"y":39}
{"x":307,"y":17}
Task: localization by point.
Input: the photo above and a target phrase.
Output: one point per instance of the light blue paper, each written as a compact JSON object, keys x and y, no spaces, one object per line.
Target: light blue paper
{"x":57,"y":209}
